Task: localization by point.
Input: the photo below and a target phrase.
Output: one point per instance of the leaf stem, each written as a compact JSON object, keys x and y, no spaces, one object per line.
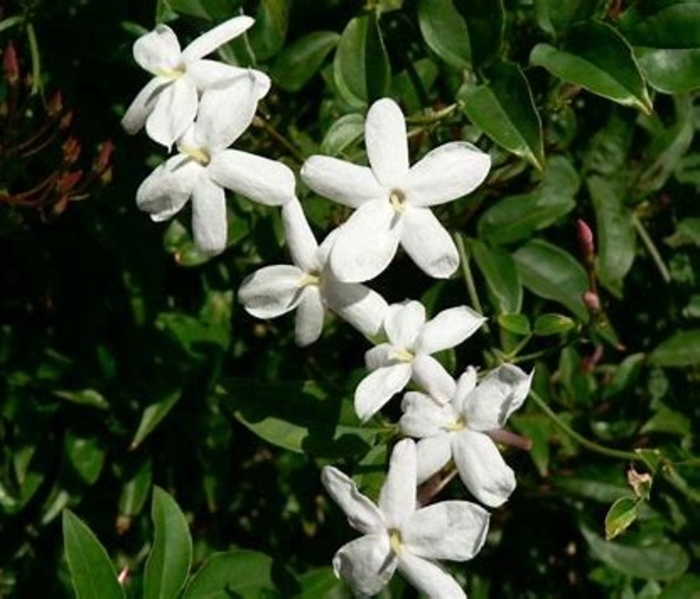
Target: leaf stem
{"x":468,"y":278}
{"x":651,"y":248}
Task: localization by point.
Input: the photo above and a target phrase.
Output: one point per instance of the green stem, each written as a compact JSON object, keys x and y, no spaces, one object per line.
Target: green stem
{"x":580,"y":439}
{"x":279,"y":138}
{"x":651,"y":248}
{"x":468,"y":278}
{"x":36,"y":59}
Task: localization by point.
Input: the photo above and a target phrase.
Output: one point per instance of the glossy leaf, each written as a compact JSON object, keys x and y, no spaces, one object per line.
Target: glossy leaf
{"x":619,"y":517}
{"x":322,"y":583}
{"x":267,"y":36}
{"x":86,"y":456}
{"x":501,"y":276}
{"x":239,"y":573}
{"x":136,"y":489}
{"x":552,"y":273}
{"x":616,"y":239}
{"x":298,"y":62}
{"x":594,"y":56}
{"x":485,"y":20}
{"x":685,"y":587}
{"x":552,"y":324}
{"x":85,"y":397}
{"x":504,"y":109}
{"x":554,"y":16}
{"x":515,"y":323}
{"x":445,"y":31}
{"x":344,"y":132}
{"x":625,"y":376}
{"x":91,"y":570}
{"x":680,"y":349}
{"x":168,"y":564}
{"x":152,"y":417}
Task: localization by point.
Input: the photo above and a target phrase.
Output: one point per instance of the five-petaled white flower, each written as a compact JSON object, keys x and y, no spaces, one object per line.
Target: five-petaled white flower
{"x":309,"y":286}
{"x":459,"y":430}
{"x":406,"y":355}
{"x":204,"y":167}
{"x":168,"y":103}
{"x":393,"y":200}
{"x":398,"y":534}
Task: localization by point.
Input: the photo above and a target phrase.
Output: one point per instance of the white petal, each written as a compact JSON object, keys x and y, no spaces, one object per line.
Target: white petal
{"x":448,"y":329}
{"x":158,"y":50}
{"x":362,"y":514}
{"x":397,"y":498}
{"x":310,"y":312}
{"x":428,"y":243}
{"x":144,"y":102}
{"x":366,"y":564}
{"x":166,"y":190}
{"x":218,"y":36}
{"x":423,"y":417}
{"x":209,"y":73}
{"x":209,"y":223}
{"x":430,"y":376}
{"x":465,"y":385}
{"x":300,"y":239}
{"x":482,"y":468}
{"x":271,"y":291}
{"x":173,"y":113}
{"x":453,"y":530}
{"x":498,"y":395}
{"x":434,"y":453}
{"x":356,"y":304}
{"x":381,"y":355}
{"x":341,"y":181}
{"x":403,"y":322}
{"x":446,"y":173}
{"x":366,"y":243}
{"x":429,"y":578}
{"x":262,"y":180}
{"x":385,"y":138}
{"x":378,"y":387}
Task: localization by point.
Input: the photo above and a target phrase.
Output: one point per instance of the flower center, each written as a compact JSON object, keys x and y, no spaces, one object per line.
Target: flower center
{"x":397,"y":199}
{"x":171,"y":74}
{"x":395,"y":541}
{"x":199,"y":154}
{"x":310,"y":278}
{"x":403,"y":355}
{"x":457,"y":424}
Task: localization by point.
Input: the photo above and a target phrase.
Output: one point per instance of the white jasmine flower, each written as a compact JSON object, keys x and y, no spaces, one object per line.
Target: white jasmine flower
{"x":204,"y":167}
{"x":168,"y":103}
{"x":392,"y":200}
{"x":398,"y":534}
{"x":406,"y":355}
{"x":462,"y":429}
{"x":309,"y":286}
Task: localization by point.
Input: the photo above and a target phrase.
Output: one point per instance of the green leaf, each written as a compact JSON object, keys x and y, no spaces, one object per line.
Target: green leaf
{"x":660,"y":561}
{"x":91,"y":570}
{"x":344,"y":132}
{"x":501,"y":276}
{"x":687,"y":233}
{"x":666,"y":420}
{"x":518,"y":217}
{"x":403,"y":86}
{"x":554,"y":16}
{"x":267,"y":36}
{"x":361,"y":67}
{"x":681,"y":349}
{"x":685,"y":587}
{"x":616,"y":236}
{"x":445,"y":31}
{"x":297,"y":63}
{"x":515,"y":323}
{"x":169,"y":562}
{"x":666,"y":40}
{"x":619,"y":517}
{"x":504,"y":109}
{"x":537,"y":428}
{"x":552,"y":273}
{"x":152,"y":416}
{"x":322,"y":583}
{"x":625,"y":376}
{"x":596,"y":57}
{"x":485,"y":20}
{"x":552,"y":324}
{"x":236,"y":573}
{"x":86,"y":456}
{"x":85,"y":397}
{"x":136,"y":488}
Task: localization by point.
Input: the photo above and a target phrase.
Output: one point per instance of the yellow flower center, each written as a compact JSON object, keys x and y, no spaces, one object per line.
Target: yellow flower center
{"x":310,"y":278}
{"x":172,"y":74}
{"x":397,"y":199}
{"x":456,"y":425}
{"x":395,"y":541}
{"x":199,"y":154}
{"x":403,"y":355}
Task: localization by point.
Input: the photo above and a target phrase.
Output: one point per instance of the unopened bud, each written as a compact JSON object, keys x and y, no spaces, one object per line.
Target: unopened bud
{"x":67,"y":181}
{"x":66,"y":120}
{"x":591,"y":301}
{"x":71,"y":150}
{"x":123,"y":577}
{"x":585,"y":238}
{"x":55,"y":105}
{"x":10,"y":64}
{"x":102,"y":162}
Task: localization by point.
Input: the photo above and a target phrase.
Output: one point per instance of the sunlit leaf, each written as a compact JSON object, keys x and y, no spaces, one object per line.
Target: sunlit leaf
{"x":619,"y":517}
{"x":680,"y":349}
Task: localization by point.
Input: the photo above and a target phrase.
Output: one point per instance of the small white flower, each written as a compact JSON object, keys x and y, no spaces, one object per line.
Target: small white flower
{"x":406,"y":355}
{"x":168,"y":103}
{"x":309,"y":286}
{"x":393,"y":200}
{"x":398,"y":534}
{"x":459,"y":430}
{"x":204,"y":167}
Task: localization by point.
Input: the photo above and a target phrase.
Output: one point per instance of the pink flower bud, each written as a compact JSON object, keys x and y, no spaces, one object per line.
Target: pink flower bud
{"x":10,"y":64}
{"x":591,"y":301}
{"x":585,"y":238}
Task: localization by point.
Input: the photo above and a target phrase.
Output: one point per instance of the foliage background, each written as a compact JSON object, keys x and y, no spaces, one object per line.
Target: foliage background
{"x":125,"y":360}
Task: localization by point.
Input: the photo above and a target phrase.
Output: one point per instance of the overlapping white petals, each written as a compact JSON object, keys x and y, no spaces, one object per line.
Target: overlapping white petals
{"x":271,"y":291}
{"x":391,"y":199}
{"x":218,"y":36}
{"x":397,"y":499}
{"x":366,"y":564}
{"x":362,"y":514}
{"x":429,"y":578}
{"x":448,"y":329}
{"x":209,"y":224}
{"x":378,"y":387}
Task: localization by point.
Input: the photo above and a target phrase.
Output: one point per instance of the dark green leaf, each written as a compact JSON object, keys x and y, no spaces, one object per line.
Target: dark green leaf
{"x":616,"y":236}
{"x":236,"y":573}
{"x":554,"y":16}
{"x":515,"y":323}
{"x":344,"y":132}
{"x":681,"y":349}
{"x":322,"y":583}
{"x":298,"y":62}
{"x":152,"y":416}
{"x":666,"y":420}
{"x":485,"y":20}
{"x":552,"y":273}
{"x":687,"y":233}
{"x":597,"y":58}
{"x":405,"y":90}
{"x":553,"y":324}
{"x":537,"y":428}
{"x":445,"y":31}
{"x":686,"y":587}
{"x":619,"y":517}
{"x":267,"y":36}
{"x":501,"y":276}
{"x":91,"y":570}
{"x":169,"y":562}
{"x":136,"y":489}
{"x":85,"y":397}
{"x":86,"y":456}
{"x":625,"y":375}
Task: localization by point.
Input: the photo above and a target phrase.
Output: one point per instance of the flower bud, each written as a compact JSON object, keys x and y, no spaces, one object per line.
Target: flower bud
{"x":592,"y":301}
{"x":585,"y":238}
{"x":10,"y":64}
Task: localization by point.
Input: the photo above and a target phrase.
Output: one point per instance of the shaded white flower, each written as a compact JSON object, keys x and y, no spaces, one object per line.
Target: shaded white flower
{"x":168,"y":103}
{"x":406,"y":354}
{"x":460,"y":430}
{"x":204,"y":167}
{"x":398,"y":534}
{"x":309,"y":286}
{"x":393,"y":200}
